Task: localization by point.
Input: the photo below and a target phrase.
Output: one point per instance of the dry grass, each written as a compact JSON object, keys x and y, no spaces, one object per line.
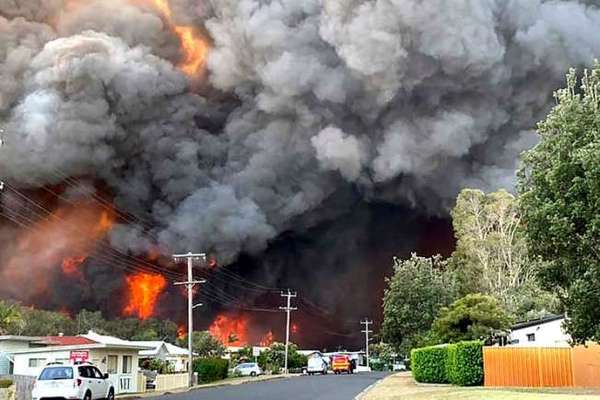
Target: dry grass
{"x":403,"y":387}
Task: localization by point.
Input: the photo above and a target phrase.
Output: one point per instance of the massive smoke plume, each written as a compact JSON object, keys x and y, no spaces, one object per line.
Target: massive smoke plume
{"x":305,"y":110}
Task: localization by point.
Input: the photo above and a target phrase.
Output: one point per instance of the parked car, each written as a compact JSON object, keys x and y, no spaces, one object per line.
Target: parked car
{"x":84,"y":382}
{"x":248,"y":369}
{"x":341,"y":363}
{"x":399,"y":367}
{"x":316,"y":365}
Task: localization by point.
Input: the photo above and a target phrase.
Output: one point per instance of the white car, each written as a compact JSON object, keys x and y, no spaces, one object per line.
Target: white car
{"x":72,"y":382}
{"x":248,"y":369}
{"x":316,"y":365}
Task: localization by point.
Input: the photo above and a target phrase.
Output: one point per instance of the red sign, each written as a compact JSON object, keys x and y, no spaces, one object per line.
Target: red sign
{"x":79,"y":356}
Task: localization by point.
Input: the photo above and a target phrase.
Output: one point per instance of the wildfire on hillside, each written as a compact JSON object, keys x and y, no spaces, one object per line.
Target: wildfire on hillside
{"x":143,"y":290}
{"x":64,"y":238}
{"x":230,"y":330}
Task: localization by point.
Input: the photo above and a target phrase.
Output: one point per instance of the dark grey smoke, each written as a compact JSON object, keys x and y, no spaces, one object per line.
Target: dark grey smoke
{"x":406,"y":101}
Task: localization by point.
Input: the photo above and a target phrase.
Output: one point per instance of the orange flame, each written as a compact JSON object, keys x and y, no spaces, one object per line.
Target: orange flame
{"x":294,"y":328}
{"x":70,"y":266}
{"x":181,"y":332}
{"x":71,"y":228}
{"x":267,"y":339}
{"x":231,"y":331}
{"x":144,"y":290}
{"x":195,"y":47}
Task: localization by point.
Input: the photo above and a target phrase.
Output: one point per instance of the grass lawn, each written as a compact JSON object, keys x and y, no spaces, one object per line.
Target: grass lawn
{"x":403,"y":387}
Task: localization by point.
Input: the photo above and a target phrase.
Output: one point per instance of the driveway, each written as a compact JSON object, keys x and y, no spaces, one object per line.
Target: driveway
{"x":329,"y":387}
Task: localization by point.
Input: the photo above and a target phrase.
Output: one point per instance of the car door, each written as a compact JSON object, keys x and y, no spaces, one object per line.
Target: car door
{"x":103,"y":384}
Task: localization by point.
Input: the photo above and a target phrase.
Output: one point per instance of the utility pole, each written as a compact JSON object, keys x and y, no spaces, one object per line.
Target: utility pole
{"x":366,"y":323}
{"x":190,"y":283}
{"x":287,"y":309}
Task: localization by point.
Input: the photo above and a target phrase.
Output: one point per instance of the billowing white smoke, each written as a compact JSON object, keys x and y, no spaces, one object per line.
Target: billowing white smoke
{"x":406,"y":100}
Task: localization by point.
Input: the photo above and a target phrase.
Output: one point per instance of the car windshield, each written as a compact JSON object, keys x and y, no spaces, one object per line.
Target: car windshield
{"x":56,"y":373}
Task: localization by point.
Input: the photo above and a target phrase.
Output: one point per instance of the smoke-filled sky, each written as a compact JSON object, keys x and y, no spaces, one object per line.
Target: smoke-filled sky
{"x":398,"y":102}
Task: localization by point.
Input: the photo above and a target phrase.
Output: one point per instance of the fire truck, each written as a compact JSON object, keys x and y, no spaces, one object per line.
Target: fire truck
{"x":341,"y":363}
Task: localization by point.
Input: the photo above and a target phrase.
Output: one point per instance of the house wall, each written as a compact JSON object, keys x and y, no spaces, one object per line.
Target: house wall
{"x":7,"y":347}
{"x":549,"y":334}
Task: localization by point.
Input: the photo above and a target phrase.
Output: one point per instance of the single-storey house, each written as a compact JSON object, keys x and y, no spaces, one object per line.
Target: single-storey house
{"x":174,"y":355}
{"x":543,"y":332}
{"x":117,"y":357}
{"x":10,"y":344}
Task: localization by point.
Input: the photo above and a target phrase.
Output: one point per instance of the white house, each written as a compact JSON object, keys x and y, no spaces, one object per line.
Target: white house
{"x":117,"y":357}
{"x":543,"y":332}
{"x":10,"y":344}
{"x":174,"y":355}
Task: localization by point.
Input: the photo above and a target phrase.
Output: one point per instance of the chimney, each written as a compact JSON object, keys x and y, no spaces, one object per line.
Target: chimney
{"x":60,"y":334}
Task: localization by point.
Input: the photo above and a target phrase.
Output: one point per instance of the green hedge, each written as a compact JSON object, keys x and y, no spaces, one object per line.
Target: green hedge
{"x":429,"y":364}
{"x":460,"y":364}
{"x":465,"y":363}
{"x":211,"y":369}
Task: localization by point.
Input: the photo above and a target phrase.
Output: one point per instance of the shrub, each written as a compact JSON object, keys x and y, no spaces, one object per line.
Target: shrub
{"x":429,"y":364}
{"x":465,"y":363}
{"x":5,"y":383}
{"x":211,"y":369}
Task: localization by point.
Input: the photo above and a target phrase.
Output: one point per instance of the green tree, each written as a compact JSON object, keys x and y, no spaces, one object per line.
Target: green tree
{"x":273,"y":358}
{"x":475,"y":316}
{"x":46,"y":323}
{"x":204,"y":344}
{"x":559,"y":185}
{"x":11,"y":318}
{"x":419,"y":287}
{"x":491,"y":254}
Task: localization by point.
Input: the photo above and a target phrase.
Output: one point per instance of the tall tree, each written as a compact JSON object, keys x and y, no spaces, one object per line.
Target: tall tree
{"x":419,"y":287}
{"x":559,"y":186}
{"x":475,"y":316}
{"x":491,"y":251}
{"x":204,"y":344}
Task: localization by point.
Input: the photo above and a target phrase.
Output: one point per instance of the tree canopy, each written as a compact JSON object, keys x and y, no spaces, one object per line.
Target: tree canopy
{"x":204,"y":344}
{"x":475,"y":316}
{"x":559,"y":185}
{"x":491,"y":254}
{"x":419,"y":287}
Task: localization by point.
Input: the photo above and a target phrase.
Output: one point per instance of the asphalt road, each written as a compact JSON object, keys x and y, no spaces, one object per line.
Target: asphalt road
{"x":329,"y":387}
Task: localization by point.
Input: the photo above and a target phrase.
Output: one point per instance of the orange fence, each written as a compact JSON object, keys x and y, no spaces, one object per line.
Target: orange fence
{"x":542,"y":366}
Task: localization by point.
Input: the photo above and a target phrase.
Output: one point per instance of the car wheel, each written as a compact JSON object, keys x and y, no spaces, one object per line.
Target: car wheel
{"x":111,"y":395}
{"x":87,"y":396}
{"x":252,"y":373}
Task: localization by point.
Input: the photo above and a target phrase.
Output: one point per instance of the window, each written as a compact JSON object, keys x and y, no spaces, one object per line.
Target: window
{"x":127,"y":360}
{"x":531,"y":337}
{"x":36,"y":362}
{"x":112,"y":364}
{"x":86,"y":372}
{"x":97,"y":373}
{"x":56,"y":373}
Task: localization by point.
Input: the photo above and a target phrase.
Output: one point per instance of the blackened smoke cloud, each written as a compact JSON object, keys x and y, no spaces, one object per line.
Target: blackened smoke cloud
{"x":405,"y":101}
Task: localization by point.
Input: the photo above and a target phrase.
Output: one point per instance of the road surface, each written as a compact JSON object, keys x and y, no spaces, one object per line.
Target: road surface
{"x":329,"y":387}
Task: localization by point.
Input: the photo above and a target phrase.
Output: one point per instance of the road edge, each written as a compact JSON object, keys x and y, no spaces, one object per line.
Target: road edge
{"x":134,"y":396}
{"x":366,"y":390}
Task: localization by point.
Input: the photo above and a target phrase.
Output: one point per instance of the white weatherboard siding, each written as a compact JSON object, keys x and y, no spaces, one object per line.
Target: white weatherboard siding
{"x":546,"y":334}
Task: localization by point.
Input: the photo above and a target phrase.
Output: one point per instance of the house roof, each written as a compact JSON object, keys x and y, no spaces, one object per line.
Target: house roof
{"x":91,"y":340}
{"x":539,"y":321}
{"x":171,"y":349}
{"x":65,"y":341}
{"x":20,"y":338}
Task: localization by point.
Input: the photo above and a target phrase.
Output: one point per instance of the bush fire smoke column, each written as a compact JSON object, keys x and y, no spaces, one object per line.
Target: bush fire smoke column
{"x":287,"y":309}
{"x":190,"y":285}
